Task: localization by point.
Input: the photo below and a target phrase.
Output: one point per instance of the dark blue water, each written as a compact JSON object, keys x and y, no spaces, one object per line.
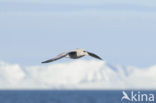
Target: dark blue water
{"x":81,"y":96}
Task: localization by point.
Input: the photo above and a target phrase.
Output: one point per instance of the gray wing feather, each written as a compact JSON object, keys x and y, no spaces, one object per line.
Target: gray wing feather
{"x":56,"y":58}
{"x":94,"y":55}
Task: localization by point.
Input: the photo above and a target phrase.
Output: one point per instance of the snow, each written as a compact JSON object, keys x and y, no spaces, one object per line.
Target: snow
{"x":79,"y":74}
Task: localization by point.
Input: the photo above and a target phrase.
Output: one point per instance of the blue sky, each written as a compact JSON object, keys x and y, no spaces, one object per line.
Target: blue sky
{"x":122,"y":32}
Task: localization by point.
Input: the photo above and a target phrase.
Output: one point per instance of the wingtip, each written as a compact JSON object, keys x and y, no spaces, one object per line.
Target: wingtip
{"x":43,"y":62}
{"x":100,"y":58}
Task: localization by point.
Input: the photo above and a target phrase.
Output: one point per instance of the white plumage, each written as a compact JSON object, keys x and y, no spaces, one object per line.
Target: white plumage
{"x":74,"y":54}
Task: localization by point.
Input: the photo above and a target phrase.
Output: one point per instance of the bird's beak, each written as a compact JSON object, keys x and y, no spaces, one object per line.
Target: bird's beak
{"x":87,"y":53}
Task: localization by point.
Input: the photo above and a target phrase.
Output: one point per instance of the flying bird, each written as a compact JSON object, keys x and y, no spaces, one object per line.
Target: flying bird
{"x":74,"y":54}
{"x":125,"y":96}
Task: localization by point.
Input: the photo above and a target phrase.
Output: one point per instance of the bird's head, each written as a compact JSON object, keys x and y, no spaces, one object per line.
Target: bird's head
{"x":82,"y":52}
{"x":85,"y":52}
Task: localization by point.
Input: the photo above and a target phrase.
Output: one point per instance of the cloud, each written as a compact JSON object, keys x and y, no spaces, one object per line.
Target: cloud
{"x":79,"y":74}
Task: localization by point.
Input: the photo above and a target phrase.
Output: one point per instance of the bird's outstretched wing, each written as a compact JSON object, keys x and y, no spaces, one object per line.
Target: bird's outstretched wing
{"x":56,"y":58}
{"x":124,"y":93}
{"x":94,"y":55}
{"x":125,"y":96}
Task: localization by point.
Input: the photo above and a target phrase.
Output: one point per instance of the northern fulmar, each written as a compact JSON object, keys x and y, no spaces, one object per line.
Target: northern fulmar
{"x":74,"y":54}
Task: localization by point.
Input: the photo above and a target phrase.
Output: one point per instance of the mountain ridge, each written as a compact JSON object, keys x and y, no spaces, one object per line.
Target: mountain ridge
{"x":79,"y":74}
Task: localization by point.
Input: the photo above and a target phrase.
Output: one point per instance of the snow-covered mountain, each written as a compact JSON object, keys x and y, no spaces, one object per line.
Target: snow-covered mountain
{"x":79,"y":74}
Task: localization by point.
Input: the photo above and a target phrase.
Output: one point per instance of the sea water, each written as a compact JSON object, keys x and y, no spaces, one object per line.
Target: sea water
{"x":66,"y":96}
